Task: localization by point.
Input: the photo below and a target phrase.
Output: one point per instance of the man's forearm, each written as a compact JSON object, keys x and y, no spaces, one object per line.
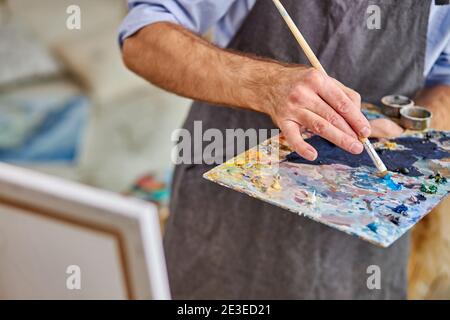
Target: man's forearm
{"x":174,"y":59}
{"x":437,"y":100}
{"x":294,"y":96}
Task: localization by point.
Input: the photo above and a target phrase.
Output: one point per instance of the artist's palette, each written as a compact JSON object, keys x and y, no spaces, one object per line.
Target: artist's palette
{"x":342,"y":190}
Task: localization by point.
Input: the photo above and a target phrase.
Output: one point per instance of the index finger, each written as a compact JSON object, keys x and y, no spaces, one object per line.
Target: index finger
{"x":339,"y":101}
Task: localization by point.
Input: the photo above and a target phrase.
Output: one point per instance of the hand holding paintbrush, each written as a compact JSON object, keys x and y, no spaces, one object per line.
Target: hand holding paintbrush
{"x":316,"y":64}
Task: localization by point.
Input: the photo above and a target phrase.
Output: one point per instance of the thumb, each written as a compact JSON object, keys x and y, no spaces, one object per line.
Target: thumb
{"x":385,"y":128}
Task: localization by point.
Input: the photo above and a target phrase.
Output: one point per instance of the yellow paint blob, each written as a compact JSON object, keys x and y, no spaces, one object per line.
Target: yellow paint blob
{"x":390,"y":145}
{"x":276,"y":183}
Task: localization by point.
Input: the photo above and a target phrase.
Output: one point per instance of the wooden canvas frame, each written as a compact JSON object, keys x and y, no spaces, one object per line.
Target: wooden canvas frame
{"x":132,"y":223}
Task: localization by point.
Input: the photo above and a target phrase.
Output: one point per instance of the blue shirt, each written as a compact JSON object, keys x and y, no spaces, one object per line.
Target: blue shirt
{"x":226,"y":16}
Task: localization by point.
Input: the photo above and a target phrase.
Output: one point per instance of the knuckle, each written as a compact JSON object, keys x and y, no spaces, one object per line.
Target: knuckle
{"x":302,"y":91}
{"x":344,"y":107}
{"x":345,"y":142}
{"x":333,"y":119}
{"x":356,"y":96}
{"x":318,"y":127}
{"x":294,"y":97}
{"x":298,"y":94}
{"x":301,"y":115}
{"x":290,"y":108}
{"x":315,"y":77}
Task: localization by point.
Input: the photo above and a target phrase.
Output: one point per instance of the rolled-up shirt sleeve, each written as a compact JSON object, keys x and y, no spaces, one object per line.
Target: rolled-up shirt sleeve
{"x":195,"y":15}
{"x":437,"y":64}
{"x":440,"y":73}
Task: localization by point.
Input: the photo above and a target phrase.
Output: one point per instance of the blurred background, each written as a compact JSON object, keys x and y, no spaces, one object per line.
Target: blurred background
{"x":68,"y":107}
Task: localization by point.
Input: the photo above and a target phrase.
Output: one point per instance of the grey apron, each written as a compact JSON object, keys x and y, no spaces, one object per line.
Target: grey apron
{"x":220,"y":244}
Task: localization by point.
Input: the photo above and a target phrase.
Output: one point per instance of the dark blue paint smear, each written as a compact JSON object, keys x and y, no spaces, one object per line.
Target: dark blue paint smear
{"x":402,"y":209}
{"x":421,"y":197}
{"x":419,"y":148}
{"x":394,"y":219}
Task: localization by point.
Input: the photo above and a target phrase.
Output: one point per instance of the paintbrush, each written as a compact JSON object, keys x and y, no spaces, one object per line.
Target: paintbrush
{"x":316,"y":64}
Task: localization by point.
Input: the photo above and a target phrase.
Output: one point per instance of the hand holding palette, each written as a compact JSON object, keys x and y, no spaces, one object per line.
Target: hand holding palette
{"x":342,"y":190}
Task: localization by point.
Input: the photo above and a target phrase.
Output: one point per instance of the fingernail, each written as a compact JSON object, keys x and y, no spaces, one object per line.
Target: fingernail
{"x":365,"y":132}
{"x":356,"y":148}
{"x":310,"y":155}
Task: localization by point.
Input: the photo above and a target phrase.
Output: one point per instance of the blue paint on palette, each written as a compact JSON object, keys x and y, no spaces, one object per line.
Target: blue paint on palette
{"x":401,"y":209}
{"x":414,"y":148}
{"x":372,"y":226}
{"x":391,"y":183}
{"x":421,"y":197}
{"x":349,"y":196}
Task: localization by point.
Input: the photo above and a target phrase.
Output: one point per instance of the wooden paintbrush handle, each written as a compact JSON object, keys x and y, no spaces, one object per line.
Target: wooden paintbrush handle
{"x":299,"y":37}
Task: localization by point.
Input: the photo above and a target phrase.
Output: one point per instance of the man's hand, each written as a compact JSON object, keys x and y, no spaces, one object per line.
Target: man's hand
{"x":296,"y":97}
{"x":385,"y":128}
{"x":437,"y":100}
{"x":304,"y":98}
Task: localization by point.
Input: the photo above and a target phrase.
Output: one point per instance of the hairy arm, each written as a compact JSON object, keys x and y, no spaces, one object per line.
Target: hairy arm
{"x":295,"y":96}
{"x":177,"y":60}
